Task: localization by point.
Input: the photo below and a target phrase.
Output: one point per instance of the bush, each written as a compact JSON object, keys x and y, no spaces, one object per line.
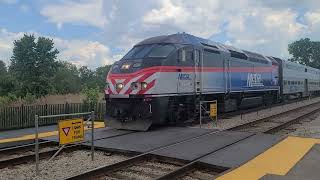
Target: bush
{"x":91,"y":97}
{"x":7,"y":100}
{"x":29,"y":98}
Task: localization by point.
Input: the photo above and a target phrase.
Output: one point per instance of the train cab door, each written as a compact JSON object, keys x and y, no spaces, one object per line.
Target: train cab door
{"x":227,"y":74}
{"x":306,"y":89}
{"x":186,"y":71}
{"x":197,"y":71}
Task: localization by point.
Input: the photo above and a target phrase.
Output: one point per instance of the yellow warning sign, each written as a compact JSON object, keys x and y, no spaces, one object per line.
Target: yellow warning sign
{"x":213,"y":109}
{"x":71,"y":131}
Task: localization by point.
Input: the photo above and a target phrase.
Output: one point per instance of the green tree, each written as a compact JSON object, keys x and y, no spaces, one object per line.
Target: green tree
{"x":101,"y":74}
{"x":3,"y":68}
{"x":66,"y":79}
{"x":33,"y":64}
{"x":91,"y":97}
{"x":7,"y":82}
{"x":305,"y":51}
{"x":87,"y":77}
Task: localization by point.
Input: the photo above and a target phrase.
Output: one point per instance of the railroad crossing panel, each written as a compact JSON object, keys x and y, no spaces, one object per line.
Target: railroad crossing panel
{"x":146,"y":141}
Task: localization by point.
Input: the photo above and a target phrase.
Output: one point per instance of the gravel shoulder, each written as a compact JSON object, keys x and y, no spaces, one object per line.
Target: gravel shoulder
{"x":309,"y":127}
{"x":63,"y":166}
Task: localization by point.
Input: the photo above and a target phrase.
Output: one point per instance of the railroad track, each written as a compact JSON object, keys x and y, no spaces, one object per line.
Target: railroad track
{"x":135,"y":167}
{"x":151,"y":166}
{"x":25,"y":153}
{"x":250,"y":110}
{"x":274,"y":123}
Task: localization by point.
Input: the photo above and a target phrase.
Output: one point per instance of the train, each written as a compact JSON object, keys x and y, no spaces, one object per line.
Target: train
{"x":162,"y":79}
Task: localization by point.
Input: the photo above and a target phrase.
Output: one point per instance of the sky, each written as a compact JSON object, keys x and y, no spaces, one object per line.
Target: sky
{"x":97,"y":32}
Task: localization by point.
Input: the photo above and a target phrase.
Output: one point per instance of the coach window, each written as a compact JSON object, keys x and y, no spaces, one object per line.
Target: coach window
{"x":285,"y":82}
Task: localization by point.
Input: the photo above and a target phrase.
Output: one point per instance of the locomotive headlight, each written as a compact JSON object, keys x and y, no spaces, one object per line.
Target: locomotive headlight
{"x":125,"y":66}
{"x":144,"y":85}
{"x":119,"y":86}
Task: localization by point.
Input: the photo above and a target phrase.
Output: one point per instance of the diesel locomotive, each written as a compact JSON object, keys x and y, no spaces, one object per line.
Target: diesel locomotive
{"x":162,"y":79}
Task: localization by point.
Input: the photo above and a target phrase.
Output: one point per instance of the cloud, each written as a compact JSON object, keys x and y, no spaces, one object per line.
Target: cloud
{"x":253,"y":25}
{"x":6,"y":44}
{"x":79,"y":52}
{"x":194,"y":17}
{"x":264,"y":30}
{"x":83,"y":52}
{"x":77,"y":13}
{"x":266,"y":27}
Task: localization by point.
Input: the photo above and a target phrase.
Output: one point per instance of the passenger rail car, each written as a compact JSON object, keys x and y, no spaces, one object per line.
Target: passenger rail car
{"x":162,"y":79}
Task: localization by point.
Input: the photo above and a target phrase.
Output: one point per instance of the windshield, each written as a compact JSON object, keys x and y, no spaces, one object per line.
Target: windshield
{"x":154,"y":51}
{"x":138,"y":52}
{"x":161,"y":51}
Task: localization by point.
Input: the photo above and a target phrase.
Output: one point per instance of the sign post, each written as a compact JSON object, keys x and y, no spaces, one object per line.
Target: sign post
{"x":37,"y":144}
{"x":92,"y":135}
{"x":213,"y":110}
{"x":70,"y":131}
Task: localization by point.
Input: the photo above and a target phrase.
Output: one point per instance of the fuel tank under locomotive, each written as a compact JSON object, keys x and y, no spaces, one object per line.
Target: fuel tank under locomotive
{"x":136,"y":113}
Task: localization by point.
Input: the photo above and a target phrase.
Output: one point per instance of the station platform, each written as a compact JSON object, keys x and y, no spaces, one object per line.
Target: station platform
{"x":27,"y":135}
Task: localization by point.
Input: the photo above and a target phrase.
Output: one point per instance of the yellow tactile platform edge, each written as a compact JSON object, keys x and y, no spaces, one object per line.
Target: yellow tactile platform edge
{"x":43,"y":134}
{"x":277,"y":160}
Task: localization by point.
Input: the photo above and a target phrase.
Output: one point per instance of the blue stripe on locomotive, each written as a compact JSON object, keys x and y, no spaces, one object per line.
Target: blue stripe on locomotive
{"x":252,"y":81}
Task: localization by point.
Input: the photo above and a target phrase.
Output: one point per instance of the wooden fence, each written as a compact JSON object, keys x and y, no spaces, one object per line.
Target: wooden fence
{"x":23,"y":116}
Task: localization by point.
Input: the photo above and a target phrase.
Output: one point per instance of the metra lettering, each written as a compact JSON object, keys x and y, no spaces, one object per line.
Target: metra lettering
{"x":184,"y":77}
{"x":254,"y":79}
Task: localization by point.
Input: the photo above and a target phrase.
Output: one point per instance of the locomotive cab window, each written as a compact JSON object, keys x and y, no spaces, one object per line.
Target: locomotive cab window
{"x":186,"y":56}
{"x":161,"y":51}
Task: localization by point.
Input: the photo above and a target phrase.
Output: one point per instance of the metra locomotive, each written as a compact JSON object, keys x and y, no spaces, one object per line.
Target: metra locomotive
{"x":162,"y":79}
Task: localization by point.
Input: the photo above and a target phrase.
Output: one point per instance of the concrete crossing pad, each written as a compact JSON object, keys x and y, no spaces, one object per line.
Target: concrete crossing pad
{"x":199,"y":147}
{"x":146,"y":141}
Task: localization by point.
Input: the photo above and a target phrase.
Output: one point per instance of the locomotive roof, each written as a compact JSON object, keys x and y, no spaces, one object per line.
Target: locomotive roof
{"x":184,"y":38}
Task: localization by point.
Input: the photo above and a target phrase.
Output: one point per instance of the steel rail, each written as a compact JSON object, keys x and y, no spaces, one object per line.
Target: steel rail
{"x":242,"y":126}
{"x":30,"y":157}
{"x":293,"y":121}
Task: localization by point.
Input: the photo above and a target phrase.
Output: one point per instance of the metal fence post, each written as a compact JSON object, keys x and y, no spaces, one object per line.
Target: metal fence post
{"x":37,"y":144}
{"x":92,"y":135}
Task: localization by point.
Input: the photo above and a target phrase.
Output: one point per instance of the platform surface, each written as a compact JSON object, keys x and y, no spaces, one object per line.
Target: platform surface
{"x":239,"y":153}
{"x":98,"y":134}
{"x":307,"y":168}
{"x":26,"y":131}
{"x":277,"y":160}
{"x":6,"y":137}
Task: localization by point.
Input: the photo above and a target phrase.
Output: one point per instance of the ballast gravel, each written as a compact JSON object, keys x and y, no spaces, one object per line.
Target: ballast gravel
{"x":63,"y":166}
